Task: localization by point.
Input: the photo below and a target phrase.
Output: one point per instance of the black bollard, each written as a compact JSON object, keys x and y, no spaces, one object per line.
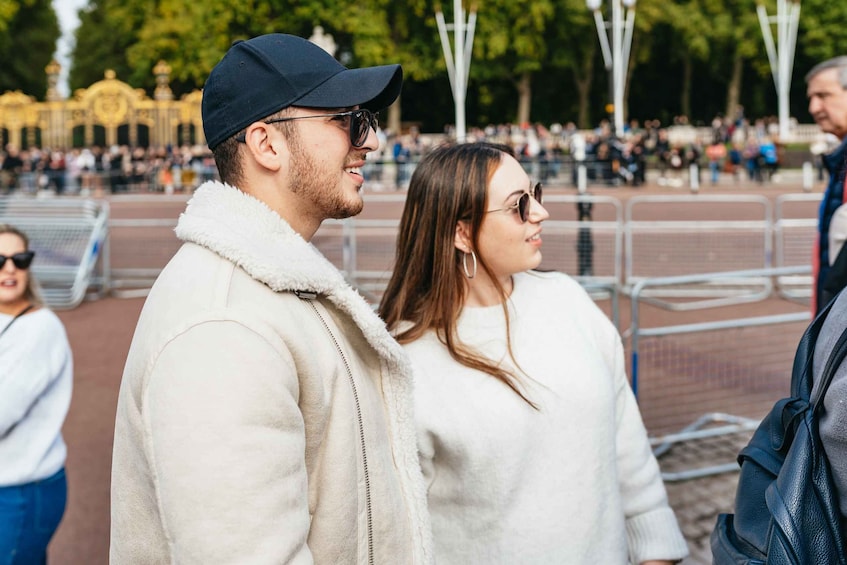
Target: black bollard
{"x":584,"y":240}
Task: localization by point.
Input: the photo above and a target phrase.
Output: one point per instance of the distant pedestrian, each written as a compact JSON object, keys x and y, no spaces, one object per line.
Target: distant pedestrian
{"x":716,"y":154}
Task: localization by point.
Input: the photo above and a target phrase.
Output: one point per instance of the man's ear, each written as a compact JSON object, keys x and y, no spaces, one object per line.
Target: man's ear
{"x":462,"y":239}
{"x":266,"y":148}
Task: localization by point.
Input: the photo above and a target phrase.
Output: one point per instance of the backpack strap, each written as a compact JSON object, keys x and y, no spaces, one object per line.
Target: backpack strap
{"x":833,"y":362}
{"x":801,"y":385}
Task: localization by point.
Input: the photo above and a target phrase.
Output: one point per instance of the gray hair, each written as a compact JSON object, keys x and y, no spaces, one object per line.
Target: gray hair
{"x":839,"y":63}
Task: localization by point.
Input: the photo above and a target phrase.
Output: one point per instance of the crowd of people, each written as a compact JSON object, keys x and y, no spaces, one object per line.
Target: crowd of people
{"x":96,"y":170}
{"x":737,"y":149}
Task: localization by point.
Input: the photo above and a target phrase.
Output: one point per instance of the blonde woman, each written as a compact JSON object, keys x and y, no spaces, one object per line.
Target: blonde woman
{"x":36,"y":374}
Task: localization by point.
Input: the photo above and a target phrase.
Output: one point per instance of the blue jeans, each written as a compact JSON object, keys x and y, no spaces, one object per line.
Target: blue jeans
{"x":29,"y":514}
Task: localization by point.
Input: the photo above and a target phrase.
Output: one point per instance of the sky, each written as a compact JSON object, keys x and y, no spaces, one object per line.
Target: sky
{"x":66,"y":11}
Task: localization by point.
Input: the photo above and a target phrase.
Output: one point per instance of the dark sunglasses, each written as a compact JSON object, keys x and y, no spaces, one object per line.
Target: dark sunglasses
{"x":19,"y":260}
{"x":361,"y":121}
{"x":522,"y":205}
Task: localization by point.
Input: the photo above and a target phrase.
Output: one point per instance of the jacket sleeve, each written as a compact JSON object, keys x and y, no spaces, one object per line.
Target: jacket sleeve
{"x":651,"y":526}
{"x":27,"y":369}
{"x":225,"y":439}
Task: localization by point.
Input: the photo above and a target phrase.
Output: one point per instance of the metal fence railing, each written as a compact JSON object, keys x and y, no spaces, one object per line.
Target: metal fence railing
{"x":612,"y":245}
{"x":716,"y":375}
{"x":795,"y":234}
{"x":680,"y":235}
{"x":68,"y":237}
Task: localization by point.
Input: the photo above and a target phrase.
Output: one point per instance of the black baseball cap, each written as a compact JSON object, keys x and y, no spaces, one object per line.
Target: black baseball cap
{"x":260,"y":76}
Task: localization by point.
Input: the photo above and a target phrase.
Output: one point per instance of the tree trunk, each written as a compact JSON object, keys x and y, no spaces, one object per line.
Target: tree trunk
{"x":394,"y":123}
{"x":631,"y":64}
{"x":733,"y":90}
{"x":583,"y":89}
{"x":524,"y":98}
{"x":685,"y":91}
{"x":583,"y":75}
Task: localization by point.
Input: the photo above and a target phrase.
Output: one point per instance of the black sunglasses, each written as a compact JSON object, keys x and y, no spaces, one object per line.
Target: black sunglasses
{"x":19,"y":260}
{"x":522,"y":205}
{"x":361,"y":121}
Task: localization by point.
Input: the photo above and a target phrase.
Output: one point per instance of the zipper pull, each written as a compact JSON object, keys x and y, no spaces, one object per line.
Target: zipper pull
{"x":305,"y":294}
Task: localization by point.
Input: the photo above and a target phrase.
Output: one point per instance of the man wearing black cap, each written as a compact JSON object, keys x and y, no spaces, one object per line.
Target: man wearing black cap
{"x":265,"y":414}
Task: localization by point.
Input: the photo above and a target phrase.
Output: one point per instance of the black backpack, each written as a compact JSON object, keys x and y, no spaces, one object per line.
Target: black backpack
{"x":786,"y":506}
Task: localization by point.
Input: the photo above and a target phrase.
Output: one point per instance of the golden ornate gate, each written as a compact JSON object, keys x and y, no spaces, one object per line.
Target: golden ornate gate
{"x":108,"y":112}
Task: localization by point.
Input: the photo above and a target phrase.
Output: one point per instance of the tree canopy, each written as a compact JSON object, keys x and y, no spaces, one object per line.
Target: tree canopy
{"x":28,"y":34}
{"x":533,"y":60}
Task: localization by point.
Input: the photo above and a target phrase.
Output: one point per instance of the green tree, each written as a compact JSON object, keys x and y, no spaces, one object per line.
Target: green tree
{"x":27,"y":46}
{"x":822,"y":30}
{"x":573,"y":33}
{"x":107,"y":29}
{"x":193,"y":36}
{"x":368,"y":33}
{"x":510,"y":45}
{"x":8,"y":9}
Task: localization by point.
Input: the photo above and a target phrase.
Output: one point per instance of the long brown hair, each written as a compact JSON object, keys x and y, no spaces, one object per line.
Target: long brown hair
{"x":426,"y":289}
{"x":31,"y":293}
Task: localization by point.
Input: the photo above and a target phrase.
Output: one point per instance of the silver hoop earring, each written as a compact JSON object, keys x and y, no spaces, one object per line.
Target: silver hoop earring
{"x":465,"y":264}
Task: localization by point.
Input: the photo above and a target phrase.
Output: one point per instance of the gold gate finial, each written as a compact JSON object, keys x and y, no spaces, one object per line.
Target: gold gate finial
{"x":162,"y":72}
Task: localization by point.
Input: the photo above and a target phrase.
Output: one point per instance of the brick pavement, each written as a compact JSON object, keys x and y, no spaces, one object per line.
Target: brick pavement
{"x":697,"y":502}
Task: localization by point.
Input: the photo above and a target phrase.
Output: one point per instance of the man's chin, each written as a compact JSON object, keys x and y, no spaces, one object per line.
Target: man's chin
{"x":348,"y":210}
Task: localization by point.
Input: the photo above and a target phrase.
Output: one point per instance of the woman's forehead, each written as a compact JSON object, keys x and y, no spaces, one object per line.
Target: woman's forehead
{"x":508,"y":177}
{"x":11,"y":241}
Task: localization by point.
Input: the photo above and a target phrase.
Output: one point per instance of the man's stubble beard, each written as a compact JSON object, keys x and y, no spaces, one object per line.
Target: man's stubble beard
{"x":321,"y":188}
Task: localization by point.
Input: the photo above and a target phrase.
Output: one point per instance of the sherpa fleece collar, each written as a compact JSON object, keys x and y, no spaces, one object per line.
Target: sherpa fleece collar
{"x":245,"y":231}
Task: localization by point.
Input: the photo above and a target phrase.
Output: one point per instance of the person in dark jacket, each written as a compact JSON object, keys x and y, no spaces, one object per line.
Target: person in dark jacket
{"x":827,"y":93}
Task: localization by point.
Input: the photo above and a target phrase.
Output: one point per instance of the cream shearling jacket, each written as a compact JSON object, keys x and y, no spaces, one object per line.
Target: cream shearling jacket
{"x":265,"y":413}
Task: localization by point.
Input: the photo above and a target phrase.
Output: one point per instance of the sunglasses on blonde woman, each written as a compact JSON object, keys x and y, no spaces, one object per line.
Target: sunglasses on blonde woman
{"x":19,"y":260}
{"x":522,"y":205}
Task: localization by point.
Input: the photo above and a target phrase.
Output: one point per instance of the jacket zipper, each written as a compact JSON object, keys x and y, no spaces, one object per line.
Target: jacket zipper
{"x":309,"y":296}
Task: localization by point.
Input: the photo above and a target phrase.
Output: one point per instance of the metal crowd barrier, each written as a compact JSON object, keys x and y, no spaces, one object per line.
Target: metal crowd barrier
{"x":694,"y":234}
{"x":729,"y":370}
{"x":795,"y":236}
{"x":140,"y":245}
{"x":608,"y":253}
{"x":68,"y":237}
{"x":363,"y":249}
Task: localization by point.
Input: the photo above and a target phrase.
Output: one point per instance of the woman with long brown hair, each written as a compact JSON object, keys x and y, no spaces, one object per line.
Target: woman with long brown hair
{"x":530,"y":439}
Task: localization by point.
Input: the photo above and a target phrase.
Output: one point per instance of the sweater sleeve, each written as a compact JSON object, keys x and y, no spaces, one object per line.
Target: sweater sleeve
{"x":33,"y":355}
{"x":226,"y":440}
{"x":652,"y":529}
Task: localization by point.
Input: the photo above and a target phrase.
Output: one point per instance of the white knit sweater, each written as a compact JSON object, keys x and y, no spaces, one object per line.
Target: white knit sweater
{"x":574,"y":482}
{"x":36,"y":378}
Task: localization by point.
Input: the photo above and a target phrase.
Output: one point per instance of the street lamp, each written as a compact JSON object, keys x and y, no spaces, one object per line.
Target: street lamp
{"x":781,"y":53}
{"x":459,"y":62}
{"x":616,"y":56}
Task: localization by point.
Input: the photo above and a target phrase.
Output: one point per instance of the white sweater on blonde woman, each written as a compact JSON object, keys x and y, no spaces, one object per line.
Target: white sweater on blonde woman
{"x":574,"y":482}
